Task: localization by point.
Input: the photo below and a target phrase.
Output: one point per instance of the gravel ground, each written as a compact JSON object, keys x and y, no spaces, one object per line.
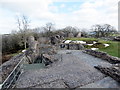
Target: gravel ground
{"x":75,"y":69}
{"x":106,"y":82}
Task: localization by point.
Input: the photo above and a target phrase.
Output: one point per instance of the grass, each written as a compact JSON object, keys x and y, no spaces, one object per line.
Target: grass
{"x":83,"y":39}
{"x":7,"y":57}
{"x":113,"y":49}
{"x":14,"y":54}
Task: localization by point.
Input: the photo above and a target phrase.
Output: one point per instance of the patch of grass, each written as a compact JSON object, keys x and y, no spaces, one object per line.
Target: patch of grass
{"x":83,"y":39}
{"x":14,"y":54}
{"x":7,"y":57}
{"x":113,"y":49}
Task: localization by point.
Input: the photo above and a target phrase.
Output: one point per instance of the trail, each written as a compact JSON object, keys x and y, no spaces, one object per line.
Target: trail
{"x":75,"y":69}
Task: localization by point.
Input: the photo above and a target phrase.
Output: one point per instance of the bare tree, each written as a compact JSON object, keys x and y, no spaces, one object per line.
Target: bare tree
{"x":23,"y":24}
{"x":103,"y":30}
{"x":49,"y":28}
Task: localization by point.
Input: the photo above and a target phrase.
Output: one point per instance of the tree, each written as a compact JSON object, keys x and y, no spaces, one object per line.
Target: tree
{"x":103,"y":30}
{"x":49,"y":28}
{"x":10,"y":43}
{"x":23,"y":24}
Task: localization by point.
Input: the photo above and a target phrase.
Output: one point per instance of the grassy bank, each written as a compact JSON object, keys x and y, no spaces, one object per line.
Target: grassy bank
{"x":113,"y":49}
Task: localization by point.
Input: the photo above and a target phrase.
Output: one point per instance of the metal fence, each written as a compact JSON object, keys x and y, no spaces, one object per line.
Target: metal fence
{"x":13,"y":76}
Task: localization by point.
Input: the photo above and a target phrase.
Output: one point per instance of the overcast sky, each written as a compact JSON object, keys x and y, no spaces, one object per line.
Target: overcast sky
{"x":79,"y":13}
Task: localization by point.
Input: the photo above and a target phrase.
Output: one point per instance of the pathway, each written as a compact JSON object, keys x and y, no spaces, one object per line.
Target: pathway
{"x":74,"y":70}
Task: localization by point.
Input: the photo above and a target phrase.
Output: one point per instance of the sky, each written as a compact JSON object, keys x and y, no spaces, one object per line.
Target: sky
{"x":76,"y":13}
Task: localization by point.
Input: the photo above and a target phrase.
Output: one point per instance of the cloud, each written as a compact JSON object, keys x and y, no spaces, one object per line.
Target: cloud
{"x":90,"y":12}
{"x":98,"y":12}
{"x":62,"y":5}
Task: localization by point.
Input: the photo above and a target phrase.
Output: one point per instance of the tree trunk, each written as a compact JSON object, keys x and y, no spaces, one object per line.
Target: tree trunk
{"x":25,"y":44}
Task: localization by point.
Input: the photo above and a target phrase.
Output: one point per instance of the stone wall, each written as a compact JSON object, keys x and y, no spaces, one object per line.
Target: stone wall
{"x":103,"y":55}
{"x":72,"y":46}
{"x":113,"y":71}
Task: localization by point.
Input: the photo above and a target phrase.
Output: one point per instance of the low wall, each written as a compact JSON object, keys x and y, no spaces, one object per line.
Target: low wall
{"x":103,"y":55}
{"x":72,"y":46}
{"x":113,"y":72}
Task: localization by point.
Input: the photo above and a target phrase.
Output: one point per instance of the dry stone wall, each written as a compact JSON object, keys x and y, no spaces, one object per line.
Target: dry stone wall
{"x":113,"y":72}
{"x":103,"y":55}
{"x":72,"y":46}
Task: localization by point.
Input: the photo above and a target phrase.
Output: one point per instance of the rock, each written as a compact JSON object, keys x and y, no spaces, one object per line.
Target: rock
{"x":33,"y":51}
{"x":44,"y":40}
{"x":48,"y":59}
{"x":53,"y":40}
{"x":47,"y":49}
{"x":62,"y":34}
{"x":56,"y":39}
{"x":113,"y":72}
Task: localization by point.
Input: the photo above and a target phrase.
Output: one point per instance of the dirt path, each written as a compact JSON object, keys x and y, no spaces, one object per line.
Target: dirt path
{"x":74,"y":70}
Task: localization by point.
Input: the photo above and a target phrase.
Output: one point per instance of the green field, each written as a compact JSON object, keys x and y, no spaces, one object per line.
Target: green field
{"x":113,"y":49}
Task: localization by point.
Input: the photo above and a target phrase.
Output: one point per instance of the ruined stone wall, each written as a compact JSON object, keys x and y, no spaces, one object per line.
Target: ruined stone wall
{"x":72,"y":46}
{"x":113,"y":71}
{"x":33,"y":51}
{"x":103,"y":55}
